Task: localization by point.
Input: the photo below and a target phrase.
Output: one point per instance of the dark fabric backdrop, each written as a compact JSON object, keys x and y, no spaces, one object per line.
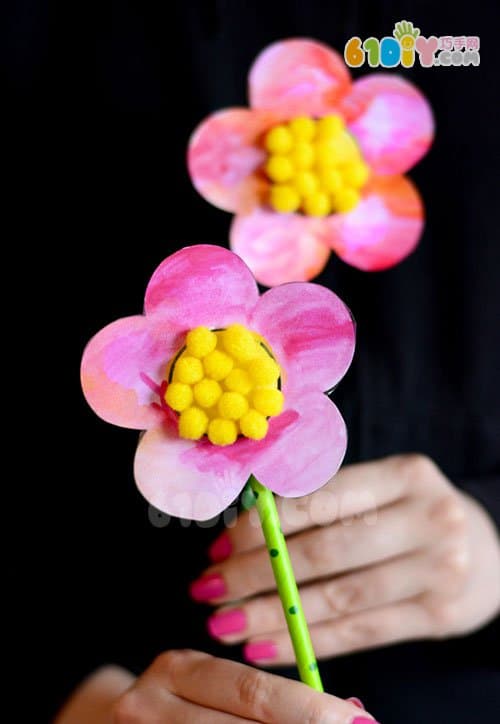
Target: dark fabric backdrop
{"x":104,"y":99}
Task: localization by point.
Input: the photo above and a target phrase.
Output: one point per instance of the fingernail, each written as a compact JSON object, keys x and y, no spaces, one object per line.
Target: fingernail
{"x":220,"y":549}
{"x":227,"y":622}
{"x":208,"y":587}
{"x":357,"y":702}
{"x":364,"y":720}
{"x":259,"y":651}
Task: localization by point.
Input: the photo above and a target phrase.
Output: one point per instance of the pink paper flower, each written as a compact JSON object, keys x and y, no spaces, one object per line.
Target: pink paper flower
{"x":376,"y":224}
{"x":126,"y":378}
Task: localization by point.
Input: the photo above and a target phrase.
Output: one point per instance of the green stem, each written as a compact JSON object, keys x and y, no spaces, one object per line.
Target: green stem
{"x":286,"y":584}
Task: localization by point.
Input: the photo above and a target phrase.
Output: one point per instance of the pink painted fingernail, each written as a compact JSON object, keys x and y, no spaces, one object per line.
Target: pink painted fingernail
{"x":220,"y":549}
{"x":227,"y":622}
{"x":363,"y":720}
{"x":207,"y":588}
{"x":260,"y":651}
{"x":357,"y":702}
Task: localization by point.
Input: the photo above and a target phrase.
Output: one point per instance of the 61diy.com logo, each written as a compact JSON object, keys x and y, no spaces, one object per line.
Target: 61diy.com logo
{"x":407,"y":42}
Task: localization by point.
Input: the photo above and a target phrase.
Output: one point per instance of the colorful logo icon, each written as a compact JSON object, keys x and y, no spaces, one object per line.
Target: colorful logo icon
{"x":406,"y":44}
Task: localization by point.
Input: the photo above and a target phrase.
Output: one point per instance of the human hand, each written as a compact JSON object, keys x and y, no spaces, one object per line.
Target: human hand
{"x":400,"y":554}
{"x":189,"y":686}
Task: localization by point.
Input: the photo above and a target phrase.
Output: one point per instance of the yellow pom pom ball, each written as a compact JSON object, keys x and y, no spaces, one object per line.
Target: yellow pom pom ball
{"x":344,"y":148}
{"x":305,"y":182}
{"x":279,"y":168}
{"x":331,"y":180}
{"x":200,"y":341}
{"x":193,"y":423}
{"x":239,"y":342}
{"x":207,"y":392}
{"x":254,"y":425}
{"x":188,"y":370}
{"x":278,"y":140}
{"x":238,"y":380}
{"x":329,"y":126}
{"x":302,"y":128}
{"x":302,"y":155}
{"x":325,"y":153}
{"x":355,"y":174}
{"x":268,"y":402}
{"x":217,"y":365}
{"x":284,"y":199}
{"x":317,"y":204}
{"x":345,"y":200}
{"x":222,"y":432}
{"x":232,"y":405}
{"x":178,"y":396}
{"x":263,"y":371}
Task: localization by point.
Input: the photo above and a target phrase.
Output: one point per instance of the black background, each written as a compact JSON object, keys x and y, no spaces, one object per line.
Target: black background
{"x":103,"y":101}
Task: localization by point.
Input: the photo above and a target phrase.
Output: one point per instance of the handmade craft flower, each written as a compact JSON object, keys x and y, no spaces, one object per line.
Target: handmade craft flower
{"x":225,"y":383}
{"x":315,"y":164}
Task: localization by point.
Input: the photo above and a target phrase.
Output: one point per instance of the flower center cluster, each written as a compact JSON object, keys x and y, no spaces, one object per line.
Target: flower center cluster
{"x":314,"y":166}
{"x":224,"y":383}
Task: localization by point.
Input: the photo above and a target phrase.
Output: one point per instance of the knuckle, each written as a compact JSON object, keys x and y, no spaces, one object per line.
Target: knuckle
{"x":316,"y":713}
{"x":448,"y":514}
{"x":444,"y":617}
{"x":168,"y":662}
{"x":416,"y":469}
{"x":129,"y":709}
{"x":253,"y":688}
{"x":357,"y":634}
{"x":316,"y":550}
{"x":341,"y":598}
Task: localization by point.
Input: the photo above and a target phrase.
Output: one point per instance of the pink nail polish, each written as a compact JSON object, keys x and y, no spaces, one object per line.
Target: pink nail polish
{"x":363,"y":720}
{"x":260,"y":651}
{"x":357,"y":702}
{"x":208,"y":588}
{"x":220,"y":549}
{"x":227,"y":622}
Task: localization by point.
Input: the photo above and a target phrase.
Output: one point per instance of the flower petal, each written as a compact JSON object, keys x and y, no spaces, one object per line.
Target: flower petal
{"x":311,"y":331}
{"x":391,"y":120}
{"x":280,"y":248}
{"x":122,"y":367}
{"x":383,"y":229}
{"x":294,"y":77}
{"x":308,"y":452}
{"x":202,"y":284}
{"x":224,"y":155}
{"x":173,"y":476}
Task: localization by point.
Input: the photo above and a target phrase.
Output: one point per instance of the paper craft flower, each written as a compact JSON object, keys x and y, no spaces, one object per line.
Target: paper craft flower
{"x":315,"y":164}
{"x":225,"y":383}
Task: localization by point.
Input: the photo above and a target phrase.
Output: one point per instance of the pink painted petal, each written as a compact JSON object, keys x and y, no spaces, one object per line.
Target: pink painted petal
{"x":280,"y":248}
{"x":224,"y":155}
{"x":122,"y":367}
{"x":202,"y":284}
{"x":383,"y":229}
{"x":171,"y":474}
{"x":295,"y":77}
{"x":391,"y":120}
{"x":308,"y":452}
{"x":311,"y":331}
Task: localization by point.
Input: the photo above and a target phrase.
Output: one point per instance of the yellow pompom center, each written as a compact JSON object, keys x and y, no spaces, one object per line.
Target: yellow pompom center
{"x":200,"y":341}
{"x":207,"y":392}
{"x":179,"y":396}
{"x":254,"y":425}
{"x":224,"y":384}
{"x":217,"y":365}
{"x":222,"y":432}
{"x":188,"y":370}
{"x":314,"y":167}
{"x":193,"y":423}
